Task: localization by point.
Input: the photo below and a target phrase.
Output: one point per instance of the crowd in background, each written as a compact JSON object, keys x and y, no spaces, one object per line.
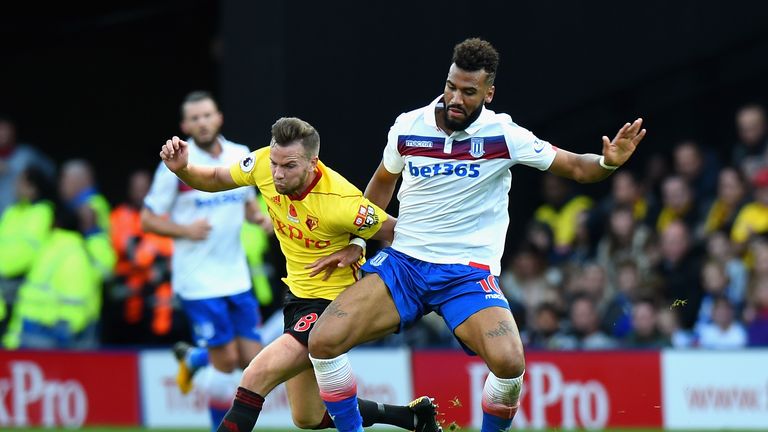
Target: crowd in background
{"x":675,"y":256}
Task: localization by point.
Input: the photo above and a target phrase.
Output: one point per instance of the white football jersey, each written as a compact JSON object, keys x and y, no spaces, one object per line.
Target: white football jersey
{"x":216,"y":266}
{"x":453,"y":196}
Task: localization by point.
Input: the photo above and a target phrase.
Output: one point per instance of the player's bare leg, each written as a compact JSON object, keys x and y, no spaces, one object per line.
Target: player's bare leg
{"x":339,"y":328}
{"x":492,"y":333}
{"x":307,"y":409}
{"x":247,"y":349}
{"x":363,"y":312}
{"x":278,"y":362}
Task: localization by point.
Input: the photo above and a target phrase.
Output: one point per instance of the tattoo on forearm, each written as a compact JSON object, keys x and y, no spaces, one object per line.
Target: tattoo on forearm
{"x":335,"y":310}
{"x":504,"y":328}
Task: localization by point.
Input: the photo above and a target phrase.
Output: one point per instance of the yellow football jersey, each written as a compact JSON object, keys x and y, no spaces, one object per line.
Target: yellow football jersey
{"x":313,"y":225}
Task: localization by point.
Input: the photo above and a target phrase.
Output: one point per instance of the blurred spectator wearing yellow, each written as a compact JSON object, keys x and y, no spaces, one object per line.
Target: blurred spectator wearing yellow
{"x":677,"y":203}
{"x":57,"y":304}
{"x":561,"y":211}
{"x":14,"y":159}
{"x":77,"y":189}
{"x":731,"y":197}
{"x":752,"y":220}
{"x":24,"y":229}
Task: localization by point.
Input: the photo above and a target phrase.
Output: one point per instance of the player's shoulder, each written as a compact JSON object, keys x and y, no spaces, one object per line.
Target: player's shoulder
{"x":334,"y":183}
{"x":509,"y":128}
{"x":406,"y":120}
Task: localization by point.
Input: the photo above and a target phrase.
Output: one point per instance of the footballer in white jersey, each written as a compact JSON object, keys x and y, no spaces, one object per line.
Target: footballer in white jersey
{"x":453,"y":157}
{"x":210,"y":273}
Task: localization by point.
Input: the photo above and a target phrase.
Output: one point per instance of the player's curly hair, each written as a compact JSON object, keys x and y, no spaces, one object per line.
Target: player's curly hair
{"x":476,"y":54}
{"x":286,"y":130}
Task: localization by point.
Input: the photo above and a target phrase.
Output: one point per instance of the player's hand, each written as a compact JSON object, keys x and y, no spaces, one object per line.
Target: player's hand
{"x":264,"y":221}
{"x":625,"y":142}
{"x":198,"y":230}
{"x":175,"y":154}
{"x":343,"y":258}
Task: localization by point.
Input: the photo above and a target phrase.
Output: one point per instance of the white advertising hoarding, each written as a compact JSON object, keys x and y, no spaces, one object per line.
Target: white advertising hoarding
{"x":715,"y":389}
{"x":383,"y":375}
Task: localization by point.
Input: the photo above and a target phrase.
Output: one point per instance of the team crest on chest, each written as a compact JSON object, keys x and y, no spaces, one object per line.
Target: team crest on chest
{"x":293,"y":215}
{"x":476,"y":147}
{"x":311,"y":222}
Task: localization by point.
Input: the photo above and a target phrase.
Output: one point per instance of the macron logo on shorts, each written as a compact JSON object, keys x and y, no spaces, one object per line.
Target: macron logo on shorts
{"x":379,"y":259}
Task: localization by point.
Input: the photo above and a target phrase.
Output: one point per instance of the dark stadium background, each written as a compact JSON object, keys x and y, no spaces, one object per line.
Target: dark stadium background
{"x":103,"y":82}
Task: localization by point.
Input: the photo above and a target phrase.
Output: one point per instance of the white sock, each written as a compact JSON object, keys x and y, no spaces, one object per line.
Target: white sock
{"x":334,"y":378}
{"x":501,"y":395}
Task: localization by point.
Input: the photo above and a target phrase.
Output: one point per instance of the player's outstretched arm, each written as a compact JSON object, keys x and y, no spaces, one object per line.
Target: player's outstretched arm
{"x":175,"y":155}
{"x":381,"y":187}
{"x":590,"y":168}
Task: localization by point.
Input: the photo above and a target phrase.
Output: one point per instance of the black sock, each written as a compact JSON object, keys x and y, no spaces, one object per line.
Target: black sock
{"x":244,"y":412}
{"x":396,"y":415}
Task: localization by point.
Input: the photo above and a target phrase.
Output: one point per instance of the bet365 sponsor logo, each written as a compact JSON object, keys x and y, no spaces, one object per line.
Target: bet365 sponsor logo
{"x":445,"y":168}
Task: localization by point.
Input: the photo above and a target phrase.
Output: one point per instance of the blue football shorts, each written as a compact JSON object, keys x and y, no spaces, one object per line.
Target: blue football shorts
{"x":453,"y":291}
{"x":218,"y":320}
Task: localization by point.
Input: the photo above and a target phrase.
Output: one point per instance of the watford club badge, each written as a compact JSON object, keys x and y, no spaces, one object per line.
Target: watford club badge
{"x":311,"y":222}
{"x":293,"y":216}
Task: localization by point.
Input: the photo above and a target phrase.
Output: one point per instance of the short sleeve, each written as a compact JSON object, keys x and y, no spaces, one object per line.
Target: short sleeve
{"x":162,"y":193}
{"x":525,"y":148}
{"x":392,"y":159}
{"x":357,"y":215}
{"x":243,"y":170}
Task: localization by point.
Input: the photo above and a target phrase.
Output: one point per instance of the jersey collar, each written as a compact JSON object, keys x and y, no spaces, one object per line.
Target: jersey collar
{"x":430,"y":120}
{"x":318,"y":175}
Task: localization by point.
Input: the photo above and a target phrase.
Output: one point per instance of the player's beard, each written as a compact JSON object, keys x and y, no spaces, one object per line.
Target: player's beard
{"x":287,"y":190}
{"x":460,"y":126}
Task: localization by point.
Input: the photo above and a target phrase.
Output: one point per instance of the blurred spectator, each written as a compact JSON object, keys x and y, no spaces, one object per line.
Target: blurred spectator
{"x":757,"y":327}
{"x":699,"y":169}
{"x":139,"y":306}
{"x":645,"y":332}
{"x":680,"y":272}
{"x":77,"y":187}
{"x":731,"y":197}
{"x":668,"y":322}
{"x":750,"y":153}
{"x":723,"y":332}
{"x":15,"y":158}
{"x":58,"y":303}
{"x":523,"y":281}
{"x":584,"y":332}
{"x":617,"y":318}
{"x":625,"y":239}
{"x":626,"y":191}
{"x":719,"y":248}
{"x":545,"y":327}
{"x":677,"y":204}
{"x":24,"y":228}
{"x":561,"y":211}
{"x":753,"y":218}
{"x":714,"y":280}
{"x":25,"y":225}
{"x":656,"y":170}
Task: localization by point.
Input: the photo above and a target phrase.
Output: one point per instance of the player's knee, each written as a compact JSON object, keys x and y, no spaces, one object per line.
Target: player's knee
{"x":325,"y":344}
{"x":304,"y":422}
{"x":508,"y":362}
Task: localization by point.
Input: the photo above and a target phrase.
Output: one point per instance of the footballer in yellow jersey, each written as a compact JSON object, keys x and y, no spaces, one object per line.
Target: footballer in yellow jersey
{"x":318,"y":216}
{"x":314,"y":223}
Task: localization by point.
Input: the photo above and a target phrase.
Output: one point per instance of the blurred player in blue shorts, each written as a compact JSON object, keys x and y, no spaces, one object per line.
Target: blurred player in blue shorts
{"x":210,"y":272}
{"x":454,"y":157}
{"x":320,"y":220}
